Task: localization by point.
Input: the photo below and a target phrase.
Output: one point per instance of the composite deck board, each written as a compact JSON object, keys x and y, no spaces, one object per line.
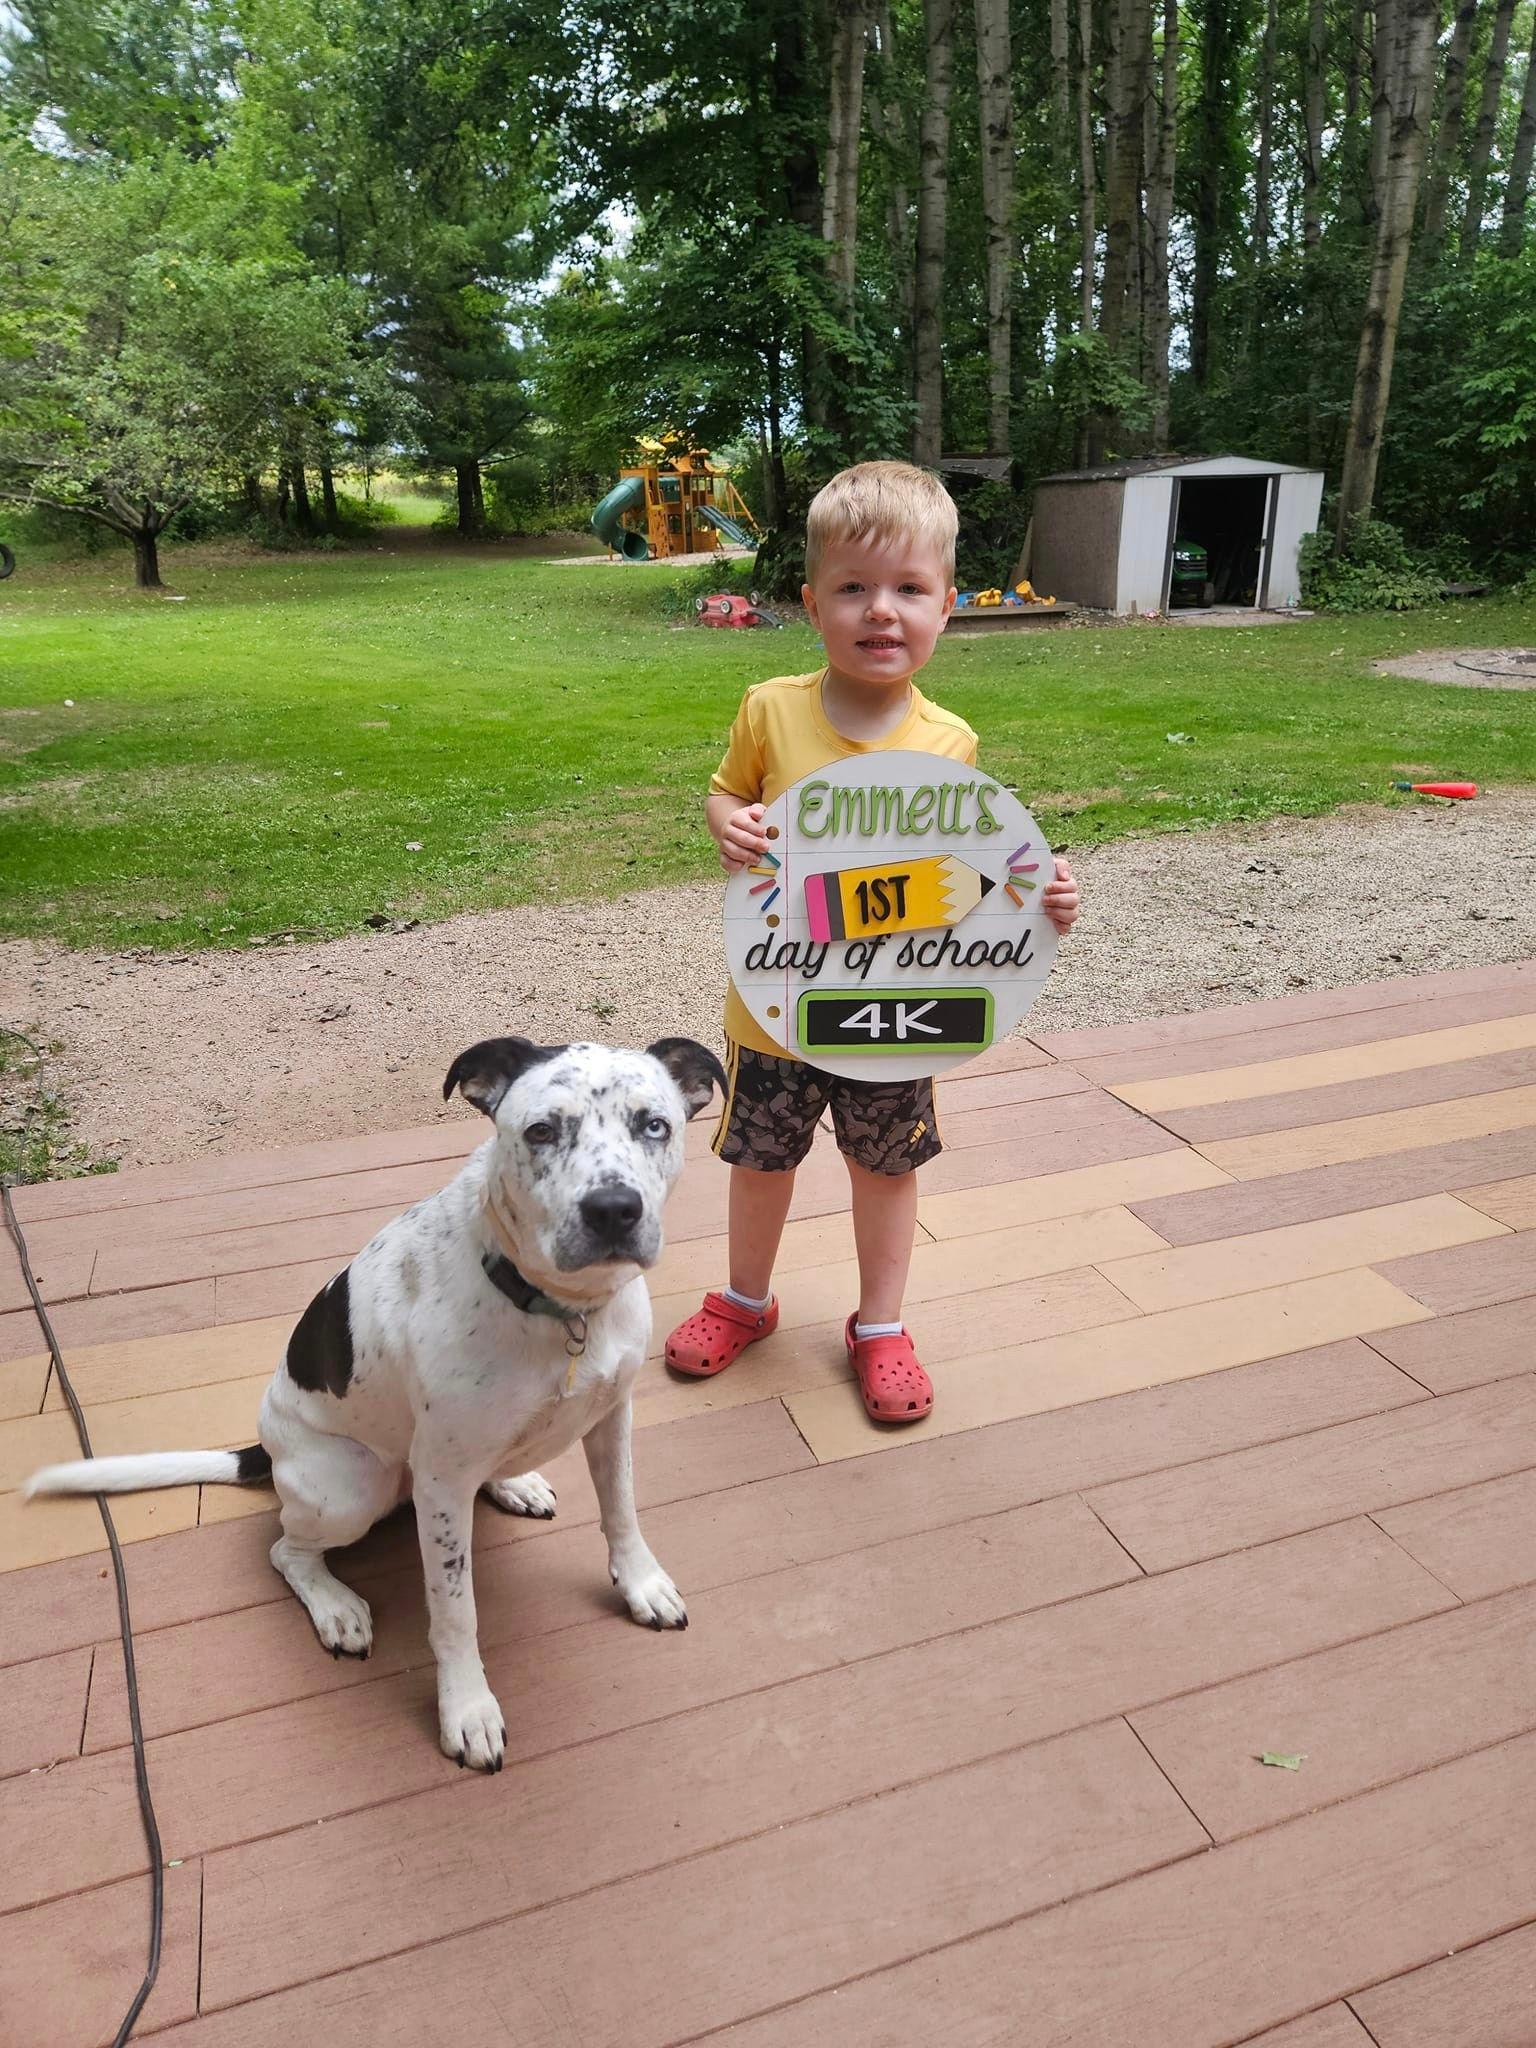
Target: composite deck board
{"x":1353,"y":1468}
{"x":375,"y":1738}
{"x":69,"y":1969}
{"x":1230,"y":1208}
{"x":1483,"y":1998}
{"x":1220,"y":1946}
{"x":1328,"y":1104}
{"x":1464,"y":1350}
{"x":1219,"y":1464}
{"x":733,"y":1769}
{"x":1478,"y":1540}
{"x":1359,"y":1717}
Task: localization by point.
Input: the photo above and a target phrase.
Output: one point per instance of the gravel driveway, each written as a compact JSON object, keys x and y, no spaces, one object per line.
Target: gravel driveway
{"x":169,"y":1058}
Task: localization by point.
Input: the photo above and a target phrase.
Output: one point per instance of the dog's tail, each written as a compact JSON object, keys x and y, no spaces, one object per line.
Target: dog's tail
{"x":156,"y":1468}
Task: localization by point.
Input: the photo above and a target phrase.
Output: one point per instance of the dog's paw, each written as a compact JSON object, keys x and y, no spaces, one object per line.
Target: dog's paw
{"x":343,"y":1620}
{"x":649,"y":1594}
{"x":471,"y":1729}
{"x":529,"y":1495}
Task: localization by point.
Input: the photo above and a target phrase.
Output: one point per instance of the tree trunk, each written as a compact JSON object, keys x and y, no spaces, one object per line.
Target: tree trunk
{"x":1061,"y":155}
{"x":1448,"y":127}
{"x":477,"y":487}
{"x":1218,"y":65}
{"x":775,"y":482}
{"x":1518,"y":190}
{"x":1487,"y":123}
{"x":1355,"y":178}
{"x":1386,"y":64}
{"x":932,"y":215}
{"x":994,"y":95}
{"x":464,"y":478}
{"x":796,"y":126}
{"x":1413,"y":77}
{"x":1086,"y":172}
{"x":250,"y":492}
{"x":890,"y":123}
{"x":302,"y":513}
{"x":1315,"y":111}
{"x":1263,"y":217}
{"x":284,"y":491}
{"x":1130,"y":24}
{"x":328,"y":496}
{"x":1159,"y":217}
{"x":146,"y":558}
{"x":845,"y":120}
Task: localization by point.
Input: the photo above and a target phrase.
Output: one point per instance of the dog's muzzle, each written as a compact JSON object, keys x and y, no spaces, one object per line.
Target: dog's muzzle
{"x":611,"y":1216}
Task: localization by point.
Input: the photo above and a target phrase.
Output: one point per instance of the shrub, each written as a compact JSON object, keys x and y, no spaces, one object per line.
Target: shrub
{"x":1374,"y":571}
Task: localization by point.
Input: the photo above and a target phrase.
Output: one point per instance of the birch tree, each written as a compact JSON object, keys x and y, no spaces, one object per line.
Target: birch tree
{"x":1407,"y":69}
{"x":994,"y":97}
{"x":1486,"y":127}
{"x":1517,"y":189}
{"x":1447,"y":152}
{"x":932,"y":214}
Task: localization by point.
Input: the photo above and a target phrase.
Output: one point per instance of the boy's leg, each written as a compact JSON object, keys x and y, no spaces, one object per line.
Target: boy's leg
{"x":758,"y":1206}
{"x":766,"y":1130}
{"x":884,"y":1227}
{"x":885,"y":1131}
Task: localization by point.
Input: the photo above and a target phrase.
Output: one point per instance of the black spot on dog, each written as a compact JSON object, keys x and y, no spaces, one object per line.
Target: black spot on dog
{"x":253,"y":1463}
{"x":319,"y":1356}
{"x":484,"y":1072}
{"x":693,"y":1067}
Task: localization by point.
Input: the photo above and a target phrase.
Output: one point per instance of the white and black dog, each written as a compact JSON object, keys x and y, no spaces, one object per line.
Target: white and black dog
{"x":485,"y":1329}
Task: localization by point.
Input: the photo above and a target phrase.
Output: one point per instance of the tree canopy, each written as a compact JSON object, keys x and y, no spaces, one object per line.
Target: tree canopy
{"x":248,"y":240}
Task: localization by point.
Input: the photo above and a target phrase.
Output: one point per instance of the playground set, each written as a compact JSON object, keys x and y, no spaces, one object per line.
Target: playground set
{"x":688,"y":506}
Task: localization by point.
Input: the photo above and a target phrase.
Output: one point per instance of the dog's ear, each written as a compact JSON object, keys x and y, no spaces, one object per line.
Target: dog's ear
{"x":693,"y":1067}
{"x":486,"y":1071}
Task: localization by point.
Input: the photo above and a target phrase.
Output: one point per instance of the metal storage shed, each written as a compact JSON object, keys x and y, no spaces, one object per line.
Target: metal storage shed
{"x":1105,"y":537}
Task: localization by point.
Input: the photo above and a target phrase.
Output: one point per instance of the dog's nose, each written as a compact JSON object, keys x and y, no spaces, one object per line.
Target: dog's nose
{"x":611,"y":1212}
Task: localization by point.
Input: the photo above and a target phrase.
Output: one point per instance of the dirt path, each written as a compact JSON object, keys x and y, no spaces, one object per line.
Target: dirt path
{"x":168,"y":1058}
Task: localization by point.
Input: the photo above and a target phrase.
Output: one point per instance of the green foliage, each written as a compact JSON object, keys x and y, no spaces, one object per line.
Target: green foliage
{"x":35,"y":1138}
{"x":1376,"y":571}
{"x":170,"y":322}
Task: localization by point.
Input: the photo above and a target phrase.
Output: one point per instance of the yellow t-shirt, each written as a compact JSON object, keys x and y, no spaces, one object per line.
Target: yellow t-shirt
{"x":781,"y":734}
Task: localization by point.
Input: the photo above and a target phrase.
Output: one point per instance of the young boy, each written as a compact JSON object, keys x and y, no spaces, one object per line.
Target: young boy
{"x":879,"y":565}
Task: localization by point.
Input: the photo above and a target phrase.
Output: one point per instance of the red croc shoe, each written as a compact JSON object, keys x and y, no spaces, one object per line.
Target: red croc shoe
{"x":894,"y":1385}
{"x":715,"y":1336}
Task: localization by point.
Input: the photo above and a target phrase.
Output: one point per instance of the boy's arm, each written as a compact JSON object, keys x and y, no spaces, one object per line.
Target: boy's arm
{"x":736,"y":829}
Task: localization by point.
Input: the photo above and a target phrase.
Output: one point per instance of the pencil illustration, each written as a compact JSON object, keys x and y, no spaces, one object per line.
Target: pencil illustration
{"x":904,"y":896}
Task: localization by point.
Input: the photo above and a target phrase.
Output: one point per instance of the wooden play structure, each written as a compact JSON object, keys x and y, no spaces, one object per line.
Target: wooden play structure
{"x":673,"y":501}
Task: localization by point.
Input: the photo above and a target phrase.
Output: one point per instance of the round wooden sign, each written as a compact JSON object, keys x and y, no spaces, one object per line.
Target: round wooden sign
{"x":892,"y":928}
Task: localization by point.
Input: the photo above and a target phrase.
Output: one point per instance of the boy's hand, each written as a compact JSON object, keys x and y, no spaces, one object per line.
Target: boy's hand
{"x":742,"y":838}
{"x":1060,"y":900}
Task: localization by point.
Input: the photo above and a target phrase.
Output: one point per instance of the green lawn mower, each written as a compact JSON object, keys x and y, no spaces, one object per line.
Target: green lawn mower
{"x":1190,"y":583}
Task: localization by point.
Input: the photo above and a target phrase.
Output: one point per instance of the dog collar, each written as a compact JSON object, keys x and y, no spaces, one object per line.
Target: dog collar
{"x":521,"y":1292}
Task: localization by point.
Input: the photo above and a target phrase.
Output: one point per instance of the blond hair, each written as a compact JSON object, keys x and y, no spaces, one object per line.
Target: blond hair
{"x":883,"y":502}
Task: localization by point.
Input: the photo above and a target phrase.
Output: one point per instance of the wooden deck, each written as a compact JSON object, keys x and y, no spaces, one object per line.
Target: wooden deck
{"x":1233,"y":1321}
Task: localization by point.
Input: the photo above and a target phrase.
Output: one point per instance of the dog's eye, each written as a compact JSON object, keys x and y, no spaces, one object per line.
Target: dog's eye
{"x":657,"y":1127}
{"x":539,"y":1134}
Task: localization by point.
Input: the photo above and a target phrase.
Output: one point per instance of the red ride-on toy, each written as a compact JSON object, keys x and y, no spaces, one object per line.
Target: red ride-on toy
{"x":725,"y":610}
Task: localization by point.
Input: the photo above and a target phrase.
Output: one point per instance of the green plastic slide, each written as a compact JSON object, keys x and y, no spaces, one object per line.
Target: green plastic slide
{"x":731,"y":528}
{"x":627,"y":495}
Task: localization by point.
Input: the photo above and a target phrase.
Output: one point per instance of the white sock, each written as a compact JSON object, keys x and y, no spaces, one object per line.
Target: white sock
{"x":862,"y":1330}
{"x":745,"y":1300}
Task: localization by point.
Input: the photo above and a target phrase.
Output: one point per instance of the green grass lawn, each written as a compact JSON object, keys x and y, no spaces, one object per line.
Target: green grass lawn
{"x":261,"y":757}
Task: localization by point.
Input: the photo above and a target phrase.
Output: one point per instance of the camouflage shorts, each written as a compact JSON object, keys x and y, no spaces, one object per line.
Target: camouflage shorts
{"x":774,"y":1105}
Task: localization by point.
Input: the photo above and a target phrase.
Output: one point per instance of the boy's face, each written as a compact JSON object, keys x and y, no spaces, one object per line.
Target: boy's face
{"x":879,"y":607}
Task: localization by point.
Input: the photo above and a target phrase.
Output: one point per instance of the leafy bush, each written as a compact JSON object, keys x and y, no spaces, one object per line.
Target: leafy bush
{"x":1374,"y":571}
